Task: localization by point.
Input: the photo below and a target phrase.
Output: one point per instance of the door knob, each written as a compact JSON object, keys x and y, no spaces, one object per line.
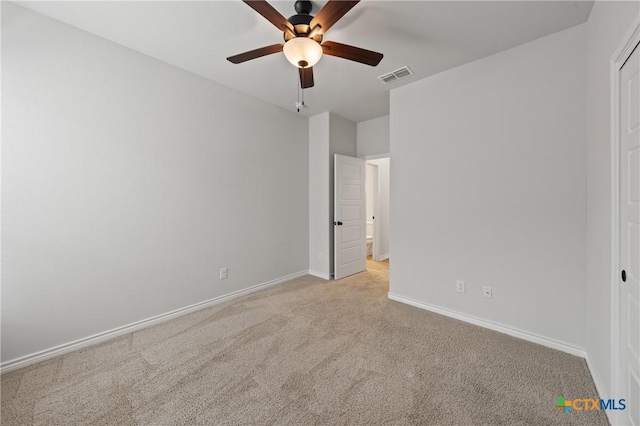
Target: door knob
{"x":624,"y":276}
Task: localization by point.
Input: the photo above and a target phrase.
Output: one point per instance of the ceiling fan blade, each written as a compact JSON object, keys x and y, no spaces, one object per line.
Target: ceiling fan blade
{"x":306,"y":77}
{"x":253,"y":54}
{"x":331,"y":13}
{"x":351,"y":53}
{"x":272,"y":15}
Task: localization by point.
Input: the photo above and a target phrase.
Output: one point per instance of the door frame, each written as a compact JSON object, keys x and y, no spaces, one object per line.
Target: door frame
{"x":375,"y":195}
{"x":619,"y":58}
{"x":377,"y":255}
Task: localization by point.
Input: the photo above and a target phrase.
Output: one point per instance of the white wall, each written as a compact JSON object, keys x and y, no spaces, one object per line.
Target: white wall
{"x":384,"y":202}
{"x":488,"y":186}
{"x":606,"y":27}
{"x":127,"y":183}
{"x":320,"y":216}
{"x":373,"y":137}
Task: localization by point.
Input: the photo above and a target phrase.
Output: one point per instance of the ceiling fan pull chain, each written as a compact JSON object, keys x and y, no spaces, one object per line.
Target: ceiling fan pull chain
{"x":298,"y":87}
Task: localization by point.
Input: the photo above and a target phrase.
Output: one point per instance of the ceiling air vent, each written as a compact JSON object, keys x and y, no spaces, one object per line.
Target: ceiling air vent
{"x":395,"y":75}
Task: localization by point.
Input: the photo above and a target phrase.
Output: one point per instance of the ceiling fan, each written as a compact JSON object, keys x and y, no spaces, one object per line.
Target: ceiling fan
{"x":303,"y":33}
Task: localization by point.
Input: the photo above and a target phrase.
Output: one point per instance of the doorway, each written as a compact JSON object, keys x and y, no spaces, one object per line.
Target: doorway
{"x":378,"y":208}
{"x":361,"y":213}
{"x":371,"y":195}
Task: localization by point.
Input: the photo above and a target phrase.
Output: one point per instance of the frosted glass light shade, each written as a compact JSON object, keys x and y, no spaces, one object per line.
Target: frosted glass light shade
{"x":302,"y":52}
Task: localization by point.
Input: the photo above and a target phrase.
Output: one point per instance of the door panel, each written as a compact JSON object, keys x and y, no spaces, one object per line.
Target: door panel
{"x":351,"y":255}
{"x":351,"y":192}
{"x":351,"y":234}
{"x":349,"y":216}
{"x":629,"y":261}
{"x":350,"y":212}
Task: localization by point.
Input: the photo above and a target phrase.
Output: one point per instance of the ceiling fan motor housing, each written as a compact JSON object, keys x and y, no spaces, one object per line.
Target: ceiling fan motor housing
{"x":301,"y":21}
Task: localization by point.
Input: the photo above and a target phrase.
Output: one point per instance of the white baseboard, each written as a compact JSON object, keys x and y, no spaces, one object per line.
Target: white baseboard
{"x":320,"y":274}
{"x":511,"y":331}
{"x":384,"y":256}
{"x":596,"y":378}
{"x":65,"y":348}
{"x":600,"y":388}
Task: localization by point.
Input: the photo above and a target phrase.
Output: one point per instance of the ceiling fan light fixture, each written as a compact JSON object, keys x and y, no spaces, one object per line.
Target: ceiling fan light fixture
{"x":302,"y":52}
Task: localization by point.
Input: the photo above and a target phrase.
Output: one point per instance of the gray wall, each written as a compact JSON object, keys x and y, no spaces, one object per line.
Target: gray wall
{"x":128,"y":183}
{"x":320,"y":215}
{"x":373,"y":137}
{"x":488,"y":186}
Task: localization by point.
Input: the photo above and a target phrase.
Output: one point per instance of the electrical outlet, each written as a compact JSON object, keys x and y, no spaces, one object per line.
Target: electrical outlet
{"x":487,"y":292}
{"x":224,"y":273}
{"x":460,"y":286}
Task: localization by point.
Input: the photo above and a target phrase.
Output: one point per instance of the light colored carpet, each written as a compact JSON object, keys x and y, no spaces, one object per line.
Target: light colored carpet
{"x":304,"y":352}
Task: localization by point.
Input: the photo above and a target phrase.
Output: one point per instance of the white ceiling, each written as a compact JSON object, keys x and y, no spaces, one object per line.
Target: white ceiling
{"x":428,"y":36}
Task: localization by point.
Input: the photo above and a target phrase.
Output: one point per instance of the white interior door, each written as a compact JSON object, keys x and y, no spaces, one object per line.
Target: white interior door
{"x":350,"y":244}
{"x":629,"y":260}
